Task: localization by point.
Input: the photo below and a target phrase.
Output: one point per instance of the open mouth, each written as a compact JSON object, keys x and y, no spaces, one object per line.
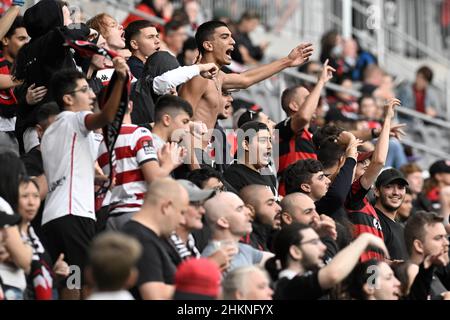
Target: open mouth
{"x":122,"y":36}
{"x":228,"y":52}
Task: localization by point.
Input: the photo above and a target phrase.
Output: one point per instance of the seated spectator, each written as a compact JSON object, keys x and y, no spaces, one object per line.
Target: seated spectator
{"x":343,"y":101}
{"x":245,"y":51}
{"x":369,"y":110}
{"x":197,"y":279}
{"x":160,"y":9}
{"x":373,"y":280}
{"x":142,"y":39}
{"x":161,"y":213}
{"x":253,"y":158}
{"x":299,"y":252}
{"x":112,"y":266}
{"x":247,"y":283}
{"x":421,"y":96}
{"x":174,"y":37}
{"x":372,"y":79}
{"x":229,"y":220}
{"x":331,"y":48}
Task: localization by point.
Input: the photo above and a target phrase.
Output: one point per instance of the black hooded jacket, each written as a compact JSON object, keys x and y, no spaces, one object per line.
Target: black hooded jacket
{"x":45,"y":54}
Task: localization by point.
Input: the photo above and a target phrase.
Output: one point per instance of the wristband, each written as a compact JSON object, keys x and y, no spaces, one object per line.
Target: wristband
{"x":18,"y":3}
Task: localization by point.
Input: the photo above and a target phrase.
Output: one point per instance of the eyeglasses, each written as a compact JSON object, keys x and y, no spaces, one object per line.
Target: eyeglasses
{"x":83,"y":89}
{"x":315,"y":242}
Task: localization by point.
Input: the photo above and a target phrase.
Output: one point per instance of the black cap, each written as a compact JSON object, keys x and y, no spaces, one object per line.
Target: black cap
{"x":390,"y":175}
{"x":440,"y":166}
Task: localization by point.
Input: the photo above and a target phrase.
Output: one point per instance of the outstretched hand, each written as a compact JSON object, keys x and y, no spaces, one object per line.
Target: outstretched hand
{"x":300,"y":54}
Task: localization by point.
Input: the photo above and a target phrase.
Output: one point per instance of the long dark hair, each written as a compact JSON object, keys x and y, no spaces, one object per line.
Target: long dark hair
{"x":11,"y":172}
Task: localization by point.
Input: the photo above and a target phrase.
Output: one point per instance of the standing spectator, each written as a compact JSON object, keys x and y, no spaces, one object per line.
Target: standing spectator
{"x":44,"y":274}
{"x":215,"y":43}
{"x":110,"y":29}
{"x":112,"y":266}
{"x":197,"y":279}
{"x":425,"y":237}
{"x":161,"y":213}
{"x":68,"y":154}
{"x":12,"y":276}
{"x":360,"y":212}
{"x":267,"y":215}
{"x":390,"y":189}
{"x":253,"y":157}
{"x":406,"y":209}
{"x":300,"y":252}
{"x":136,"y":164}
{"x":142,"y":39}
{"x":207,"y":178}
{"x":13,"y":40}
{"x":413,"y":174}
{"x":181,"y":243}
{"x":229,"y":220}
{"x":295,"y":140}
{"x":434,"y":186}
{"x":48,"y":24}
{"x":373,"y":280}
{"x":189,"y":53}
{"x":247,"y":283}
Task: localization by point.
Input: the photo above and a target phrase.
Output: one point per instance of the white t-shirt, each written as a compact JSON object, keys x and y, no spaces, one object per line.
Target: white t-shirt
{"x":69,"y":152}
{"x":10,"y":274}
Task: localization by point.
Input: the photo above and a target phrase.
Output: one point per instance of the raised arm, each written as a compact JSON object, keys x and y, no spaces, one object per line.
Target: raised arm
{"x":381,"y":147}
{"x":344,"y":262}
{"x":306,"y":111}
{"x":107,"y":114}
{"x":296,"y":57}
{"x":8,"y":18}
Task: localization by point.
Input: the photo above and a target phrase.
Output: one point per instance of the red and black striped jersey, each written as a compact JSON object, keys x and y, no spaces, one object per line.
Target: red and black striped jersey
{"x":292,"y":146}
{"x":8,"y":102}
{"x":364,"y":218}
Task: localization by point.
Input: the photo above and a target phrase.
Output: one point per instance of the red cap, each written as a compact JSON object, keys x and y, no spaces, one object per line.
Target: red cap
{"x":364,"y":155}
{"x":198,"y":276}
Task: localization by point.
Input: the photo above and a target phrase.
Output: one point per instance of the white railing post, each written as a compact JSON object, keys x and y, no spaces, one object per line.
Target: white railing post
{"x":447,"y":105}
{"x":380,"y":32}
{"x":347,"y":19}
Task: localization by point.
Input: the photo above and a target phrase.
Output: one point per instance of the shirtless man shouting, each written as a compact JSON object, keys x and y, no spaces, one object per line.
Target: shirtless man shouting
{"x":215,"y":44}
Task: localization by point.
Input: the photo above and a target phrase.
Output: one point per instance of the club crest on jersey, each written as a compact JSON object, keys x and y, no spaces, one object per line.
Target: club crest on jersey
{"x":148,"y":147}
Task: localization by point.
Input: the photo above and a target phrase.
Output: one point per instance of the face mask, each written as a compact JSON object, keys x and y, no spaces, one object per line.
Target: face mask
{"x":350,"y":61}
{"x":336,"y":51}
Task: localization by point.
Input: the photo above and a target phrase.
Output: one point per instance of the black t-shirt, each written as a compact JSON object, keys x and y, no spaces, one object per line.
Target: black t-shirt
{"x":240,"y":176}
{"x":393,"y":237}
{"x":155,"y":264}
{"x":303,"y":287}
{"x":33,"y":162}
{"x":136,"y":66}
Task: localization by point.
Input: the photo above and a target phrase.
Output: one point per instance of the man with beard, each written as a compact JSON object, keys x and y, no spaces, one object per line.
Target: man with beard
{"x":390,"y":189}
